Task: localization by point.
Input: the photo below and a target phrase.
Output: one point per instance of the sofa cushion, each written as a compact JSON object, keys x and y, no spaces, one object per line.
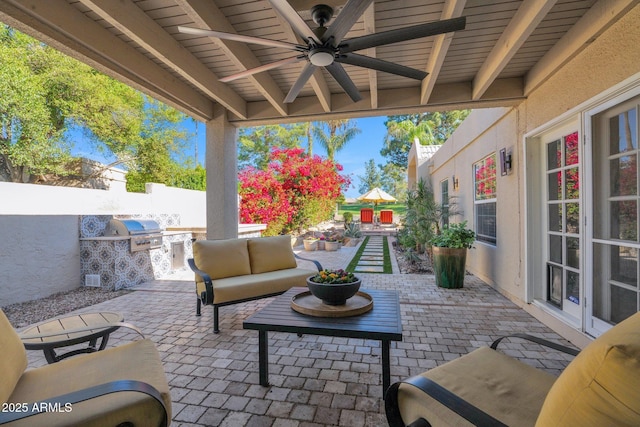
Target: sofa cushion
{"x":137,"y":360}
{"x":221,"y":258}
{"x":13,"y":360}
{"x":501,"y":386}
{"x":256,"y":285}
{"x":600,"y":386}
{"x":271,"y":254}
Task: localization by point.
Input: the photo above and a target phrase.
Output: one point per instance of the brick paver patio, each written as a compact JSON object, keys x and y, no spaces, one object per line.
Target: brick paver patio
{"x":315,"y":380}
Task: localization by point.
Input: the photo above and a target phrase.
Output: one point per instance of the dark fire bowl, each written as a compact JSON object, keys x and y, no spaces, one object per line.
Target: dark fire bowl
{"x":333,"y":294}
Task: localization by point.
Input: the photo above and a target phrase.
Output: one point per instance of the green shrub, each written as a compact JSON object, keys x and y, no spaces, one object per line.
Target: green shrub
{"x":455,"y":236}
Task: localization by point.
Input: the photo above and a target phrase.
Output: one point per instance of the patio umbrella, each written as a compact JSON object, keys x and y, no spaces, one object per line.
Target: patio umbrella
{"x":377,"y":195}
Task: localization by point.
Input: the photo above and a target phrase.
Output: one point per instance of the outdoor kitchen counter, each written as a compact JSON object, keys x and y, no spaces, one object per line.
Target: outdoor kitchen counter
{"x":106,"y":238}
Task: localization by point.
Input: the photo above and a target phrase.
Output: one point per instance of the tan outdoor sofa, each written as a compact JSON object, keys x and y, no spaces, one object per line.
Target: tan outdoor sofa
{"x":237,"y":270}
{"x":600,"y":387}
{"x":120,"y":386}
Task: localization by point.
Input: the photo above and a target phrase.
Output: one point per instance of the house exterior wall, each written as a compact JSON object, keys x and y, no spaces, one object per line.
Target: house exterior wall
{"x":609,"y":60}
{"x":39,"y":256}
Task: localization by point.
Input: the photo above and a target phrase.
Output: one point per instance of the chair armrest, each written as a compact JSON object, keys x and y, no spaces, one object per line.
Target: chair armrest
{"x":318,"y":265}
{"x":452,"y":401}
{"x":83,"y":329}
{"x":207,"y":296}
{"x":538,"y":340}
{"x":87,"y":394}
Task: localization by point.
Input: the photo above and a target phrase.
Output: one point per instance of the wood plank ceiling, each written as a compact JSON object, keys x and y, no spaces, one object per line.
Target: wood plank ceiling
{"x":507,"y":49}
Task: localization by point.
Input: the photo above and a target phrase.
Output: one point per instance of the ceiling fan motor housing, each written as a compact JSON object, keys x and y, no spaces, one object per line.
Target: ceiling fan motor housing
{"x":321,"y":56}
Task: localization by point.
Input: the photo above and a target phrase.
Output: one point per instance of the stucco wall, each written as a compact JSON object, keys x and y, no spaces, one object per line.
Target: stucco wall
{"x":39,"y":256}
{"x":30,"y":199}
{"x":612,"y":58}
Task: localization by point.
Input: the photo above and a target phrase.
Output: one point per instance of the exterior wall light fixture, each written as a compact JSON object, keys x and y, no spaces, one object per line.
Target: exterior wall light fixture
{"x":505,"y":162}
{"x":454,"y":181}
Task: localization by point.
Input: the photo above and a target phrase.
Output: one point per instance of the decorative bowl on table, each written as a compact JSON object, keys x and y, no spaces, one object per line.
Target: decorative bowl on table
{"x":333,"y":287}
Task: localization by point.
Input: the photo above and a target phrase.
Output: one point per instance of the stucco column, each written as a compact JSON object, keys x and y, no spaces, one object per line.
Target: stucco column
{"x":222,"y":178}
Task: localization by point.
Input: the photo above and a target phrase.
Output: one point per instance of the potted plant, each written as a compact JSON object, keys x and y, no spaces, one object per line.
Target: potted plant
{"x":450,"y":254}
{"x":352,"y":234}
{"x":310,"y":244}
{"x":332,"y":244}
{"x":333,"y":287}
{"x":321,"y":241}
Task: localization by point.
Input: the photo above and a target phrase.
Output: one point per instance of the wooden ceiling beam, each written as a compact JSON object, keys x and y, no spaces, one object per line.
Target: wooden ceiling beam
{"x":524,"y":22}
{"x":369,"y":19}
{"x":441,"y":43}
{"x":133,"y":22}
{"x":206,"y":15}
{"x":452,"y":96}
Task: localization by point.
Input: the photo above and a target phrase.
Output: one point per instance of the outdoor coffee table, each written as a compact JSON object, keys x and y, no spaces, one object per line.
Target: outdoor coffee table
{"x":71,"y":330}
{"x":382,"y":323}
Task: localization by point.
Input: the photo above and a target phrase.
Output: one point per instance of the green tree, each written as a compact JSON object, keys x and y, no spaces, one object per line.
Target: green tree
{"x":372,"y":177}
{"x":334,"y":135}
{"x":31,"y":136}
{"x":161,"y":139}
{"x":394,"y":180}
{"x":428,"y":128}
{"x":255,"y":143}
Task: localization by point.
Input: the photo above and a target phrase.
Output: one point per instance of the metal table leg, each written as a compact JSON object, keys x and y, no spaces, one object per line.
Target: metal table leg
{"x":386,"y":366}
{"x":263,"y":357}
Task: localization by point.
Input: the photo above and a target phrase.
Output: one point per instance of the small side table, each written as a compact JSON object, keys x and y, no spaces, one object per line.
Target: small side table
{"x":71,"y":330}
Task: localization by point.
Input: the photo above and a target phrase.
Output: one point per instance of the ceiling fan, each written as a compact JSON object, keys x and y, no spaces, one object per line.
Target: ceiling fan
{"x":326,"y":48}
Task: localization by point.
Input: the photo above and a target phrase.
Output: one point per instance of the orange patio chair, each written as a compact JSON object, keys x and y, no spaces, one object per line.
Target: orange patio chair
{"x":366,"y":216}
{"x":386,"y":217}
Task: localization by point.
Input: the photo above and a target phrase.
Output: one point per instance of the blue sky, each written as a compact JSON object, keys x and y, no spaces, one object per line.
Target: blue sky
{"x":365,"y":146}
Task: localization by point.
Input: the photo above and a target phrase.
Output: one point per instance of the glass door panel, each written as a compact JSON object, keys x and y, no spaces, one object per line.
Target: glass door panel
{"x":563,"y":228}
{"x":615,"y":290}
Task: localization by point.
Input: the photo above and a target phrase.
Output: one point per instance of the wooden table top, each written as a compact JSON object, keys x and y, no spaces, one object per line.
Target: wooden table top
{"x":100,"y":320}
{"x":383,"y":322}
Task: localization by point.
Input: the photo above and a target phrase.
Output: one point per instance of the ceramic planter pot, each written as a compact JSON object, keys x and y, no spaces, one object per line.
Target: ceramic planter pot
{"x":331,"y":246}
{"x":321,"y":245}
{"x":310,"y":245}
{"x":449,"y":266}
{"x":333,"y":294}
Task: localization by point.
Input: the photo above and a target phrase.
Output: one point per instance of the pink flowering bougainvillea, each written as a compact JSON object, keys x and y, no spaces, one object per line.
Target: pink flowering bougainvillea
{"x":294,"y":191}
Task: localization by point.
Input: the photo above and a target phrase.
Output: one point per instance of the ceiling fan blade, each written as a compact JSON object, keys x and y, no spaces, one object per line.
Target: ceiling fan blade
{"x":306,"y":74}
{"x":297,"y":23}
{"x":348,"y":16}
{"x":403,"y":34}
{"x":261,"y":68}
{"x":240,"y":38}
{"x":344,"y":81}
{"x":380,"y":65}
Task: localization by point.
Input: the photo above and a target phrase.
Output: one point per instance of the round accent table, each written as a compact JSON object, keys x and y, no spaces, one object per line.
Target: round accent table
{"x":71,"y":330}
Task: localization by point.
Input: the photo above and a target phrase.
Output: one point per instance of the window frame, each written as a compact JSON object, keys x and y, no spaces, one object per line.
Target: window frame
{"x":484,"y":202}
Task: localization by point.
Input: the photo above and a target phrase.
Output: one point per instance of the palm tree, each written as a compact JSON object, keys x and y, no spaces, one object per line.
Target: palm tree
{"x":409,"y":130}
{"x":334,"y":135}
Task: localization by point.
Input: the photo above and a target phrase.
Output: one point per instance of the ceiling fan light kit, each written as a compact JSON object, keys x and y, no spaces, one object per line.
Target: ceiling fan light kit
{"x":325,"y":47}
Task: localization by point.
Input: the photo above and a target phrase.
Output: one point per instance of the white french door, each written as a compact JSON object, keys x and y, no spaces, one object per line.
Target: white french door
{"x":613,"y":288}
{"x":562,"y":241}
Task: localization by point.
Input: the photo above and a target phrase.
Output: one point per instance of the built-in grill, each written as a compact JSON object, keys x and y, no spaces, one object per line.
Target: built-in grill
{"x":144,"y":233}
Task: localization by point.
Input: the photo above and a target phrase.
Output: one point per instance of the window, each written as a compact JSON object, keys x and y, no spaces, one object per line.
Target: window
{"x":444,"y":190}
{"x":484,"y":173}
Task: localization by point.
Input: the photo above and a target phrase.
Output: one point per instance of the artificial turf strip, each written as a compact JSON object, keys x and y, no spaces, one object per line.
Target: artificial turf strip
{"x":386,"y":258}
{"x":356,"y":258}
